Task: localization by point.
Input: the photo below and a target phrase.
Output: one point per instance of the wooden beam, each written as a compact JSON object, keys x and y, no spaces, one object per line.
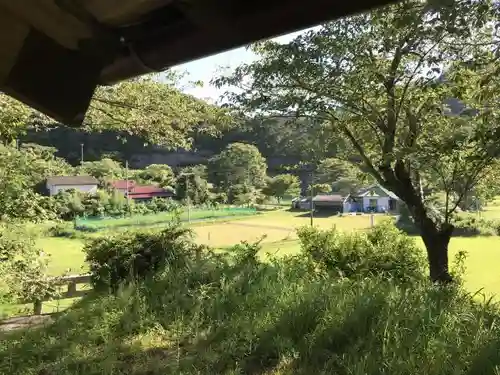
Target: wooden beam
{"x":13,"y":33}
{"x":263,"y":21}
{"x":48,"y":18}
{"x":121,"y":12}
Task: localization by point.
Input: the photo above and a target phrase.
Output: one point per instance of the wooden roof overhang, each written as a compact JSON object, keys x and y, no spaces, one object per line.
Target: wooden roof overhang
{"x":53,"y":53}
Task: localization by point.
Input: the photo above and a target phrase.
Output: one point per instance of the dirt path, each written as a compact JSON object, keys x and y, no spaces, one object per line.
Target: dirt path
{"x":24,"y":322}
{"x":264,"y":226}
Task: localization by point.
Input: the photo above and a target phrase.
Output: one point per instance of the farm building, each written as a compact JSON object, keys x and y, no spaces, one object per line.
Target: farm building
{"x":141,"y":192}
{"x":374,"y":198}
{"x":301,"y":203}
{"x":330,"y":202}
{"x":85,"y":184}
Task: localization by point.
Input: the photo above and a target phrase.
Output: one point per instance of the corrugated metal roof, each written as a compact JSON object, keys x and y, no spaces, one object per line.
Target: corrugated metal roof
{"x":365,"y":191}
{"x":72,"y":180}
{"x":328,"y":198}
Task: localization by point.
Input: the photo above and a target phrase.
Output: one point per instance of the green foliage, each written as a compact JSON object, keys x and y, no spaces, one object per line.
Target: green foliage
{"x":102,"y":169}
{"x":282,"y":185}
{"x":22,"y":173}
{"x":475,"y":226}
{"x":130,"y":257}
{"x":22,"y":266}
{"x":242,"y":194}
{"x":14,"y":117}
{"x":198,"y":170}
{"x":319,"y":189}
{"x":232,"y":314}
{"x":154,"y":109}
{"x":383,"y":81}
{"x":237,"y":164}
{"x":160,"y":174}
{"x":383,"y":250}
{"x":67,"y":204}
{"x":192,"y":187}
{"x":343,"y":177}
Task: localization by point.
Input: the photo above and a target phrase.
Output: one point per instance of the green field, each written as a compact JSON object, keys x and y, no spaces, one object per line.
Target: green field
{"x":163,"y":217}
{"x":277,"y":232}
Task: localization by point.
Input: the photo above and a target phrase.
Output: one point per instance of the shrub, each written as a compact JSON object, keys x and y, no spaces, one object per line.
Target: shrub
{"x":238,"y":316}
{"x":475,"y":226}
{"x":130,"y":257}
{"x":22,"y":266}
{"x":62,"y":230}
{"x":383,"y":250}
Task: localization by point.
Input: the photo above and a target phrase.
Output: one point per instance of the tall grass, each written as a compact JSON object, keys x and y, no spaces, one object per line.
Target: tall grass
{"x":231,"y":314}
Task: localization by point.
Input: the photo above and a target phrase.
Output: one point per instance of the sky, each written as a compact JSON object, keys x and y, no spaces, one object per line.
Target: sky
{"x":204,"y":69}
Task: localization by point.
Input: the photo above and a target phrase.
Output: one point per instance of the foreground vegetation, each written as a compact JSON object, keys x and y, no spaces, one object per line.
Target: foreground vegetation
{"x":372,"y":312}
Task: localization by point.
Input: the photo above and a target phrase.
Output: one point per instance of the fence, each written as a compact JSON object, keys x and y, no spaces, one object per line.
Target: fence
{"x":194,"y":214}
{"x":71,"y":292}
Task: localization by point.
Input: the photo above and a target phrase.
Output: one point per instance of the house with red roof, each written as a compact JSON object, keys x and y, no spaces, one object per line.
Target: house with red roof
{"x":140,"y":192}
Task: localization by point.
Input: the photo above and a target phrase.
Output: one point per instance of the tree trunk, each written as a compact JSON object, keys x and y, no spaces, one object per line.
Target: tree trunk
{"x":436,"y":237}
{"x":436,"y":243}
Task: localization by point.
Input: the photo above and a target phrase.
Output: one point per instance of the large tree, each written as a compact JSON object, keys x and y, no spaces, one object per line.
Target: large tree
{"x":154,"y":108}
{"x":14,"y":117}
{"x":383,"y":80}
{"x":281,"y":185}
{"x":237,"y":164}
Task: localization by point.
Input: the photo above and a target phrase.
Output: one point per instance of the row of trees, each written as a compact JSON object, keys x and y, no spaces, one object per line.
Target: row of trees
{"x":237,"y":175}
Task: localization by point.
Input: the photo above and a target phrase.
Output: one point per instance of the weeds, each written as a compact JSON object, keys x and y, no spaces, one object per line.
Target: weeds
{"x":232,"y":314}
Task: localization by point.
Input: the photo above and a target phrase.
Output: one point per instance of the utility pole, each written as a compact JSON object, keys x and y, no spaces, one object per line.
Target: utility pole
{"x":81,"y":153}
{"x":312,"y":196}
{"x":188,"y":199}
{"x":126,"y":185}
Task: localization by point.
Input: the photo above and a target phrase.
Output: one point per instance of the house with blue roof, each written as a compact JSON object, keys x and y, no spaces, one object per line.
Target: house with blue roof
{"x":374,"y":198}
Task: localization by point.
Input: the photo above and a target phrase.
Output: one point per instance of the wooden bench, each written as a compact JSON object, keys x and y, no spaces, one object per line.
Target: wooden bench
{"x":71,"y":292}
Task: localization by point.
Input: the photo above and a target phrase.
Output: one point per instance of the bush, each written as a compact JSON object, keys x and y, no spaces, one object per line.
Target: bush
{"x":63,"y":230}
{"x":239,"y":316}
{"x":130,"y":257}
{"x":22,"y":266}
{"x":475,"y":226}
{"x":383,"y":250}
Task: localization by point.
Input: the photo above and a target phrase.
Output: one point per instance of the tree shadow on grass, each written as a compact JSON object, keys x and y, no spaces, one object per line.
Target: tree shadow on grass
{"x":298,"y":332}
{"x":94,"y":324}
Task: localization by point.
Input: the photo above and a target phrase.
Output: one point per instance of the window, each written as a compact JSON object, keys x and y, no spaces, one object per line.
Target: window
{"x":372,"y":203}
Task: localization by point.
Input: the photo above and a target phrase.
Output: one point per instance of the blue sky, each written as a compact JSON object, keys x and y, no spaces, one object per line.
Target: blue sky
{"x":204,"y":69}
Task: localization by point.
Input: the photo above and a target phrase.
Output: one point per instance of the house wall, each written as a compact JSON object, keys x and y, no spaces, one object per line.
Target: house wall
{"x":347,"y":206}
{"x":381,"y":202}
{"x":54,"y":189}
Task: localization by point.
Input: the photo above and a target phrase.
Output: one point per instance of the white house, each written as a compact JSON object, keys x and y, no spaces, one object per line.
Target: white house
{"x":85,"y":184}
{"x":374,"y":198}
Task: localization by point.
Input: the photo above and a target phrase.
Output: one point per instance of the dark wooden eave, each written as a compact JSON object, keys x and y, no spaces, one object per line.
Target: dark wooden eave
{"x":53,"y":53}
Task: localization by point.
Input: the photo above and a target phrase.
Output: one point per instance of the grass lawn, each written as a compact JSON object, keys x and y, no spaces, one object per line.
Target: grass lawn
{"x":66,"y":255}
{"x":294,"y":220}
{"x":483,"y":258}
{"x":279,"y":228}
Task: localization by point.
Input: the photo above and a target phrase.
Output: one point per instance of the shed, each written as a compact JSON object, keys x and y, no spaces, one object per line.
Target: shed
{"x":332,"y":202}
{"x":85,"y":184}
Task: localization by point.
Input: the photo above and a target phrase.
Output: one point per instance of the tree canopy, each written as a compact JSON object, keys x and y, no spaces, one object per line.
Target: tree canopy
{"x":153,"y":108}
{"x":281,"y":185}
{"x":14,"y":117}
{"x":385,"y":82}
{"x":237,"y":164}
